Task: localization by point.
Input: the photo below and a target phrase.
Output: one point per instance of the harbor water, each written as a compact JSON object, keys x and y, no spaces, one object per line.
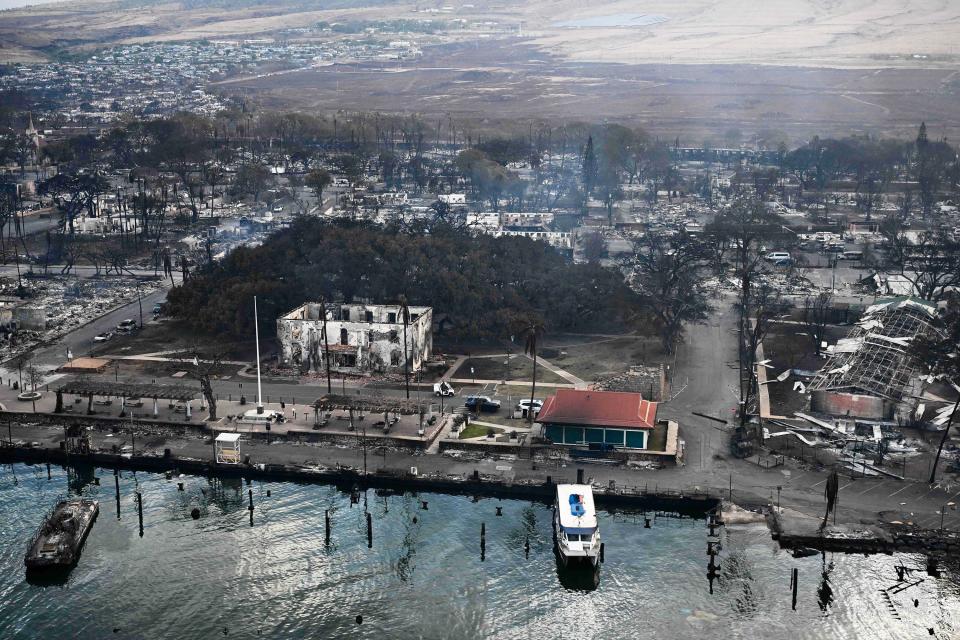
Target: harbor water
{"x":423,"y":575}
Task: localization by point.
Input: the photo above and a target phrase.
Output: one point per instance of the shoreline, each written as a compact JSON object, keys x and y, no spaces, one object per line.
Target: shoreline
{"x":790,"y":532}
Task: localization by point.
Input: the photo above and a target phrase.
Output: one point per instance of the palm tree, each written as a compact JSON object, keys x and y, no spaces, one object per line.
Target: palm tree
{"x":405,"y":314}
{"x":533,"y":331}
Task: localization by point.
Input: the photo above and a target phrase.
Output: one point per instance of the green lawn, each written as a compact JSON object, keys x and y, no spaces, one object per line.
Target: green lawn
{"x":476,"y":431}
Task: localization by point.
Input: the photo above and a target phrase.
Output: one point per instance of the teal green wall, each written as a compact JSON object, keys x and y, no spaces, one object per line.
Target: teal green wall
{"x":559,"y":434}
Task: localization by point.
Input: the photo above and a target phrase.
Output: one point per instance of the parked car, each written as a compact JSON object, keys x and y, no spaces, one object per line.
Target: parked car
{"x":103,"y":337}
{"x":851,"y":255}
{"x":127,"y":325}
{"x":524,"y":405}
{"x":482,"y":403}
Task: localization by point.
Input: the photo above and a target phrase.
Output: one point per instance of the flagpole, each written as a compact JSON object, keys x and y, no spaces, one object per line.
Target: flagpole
{"x":256,"y":328}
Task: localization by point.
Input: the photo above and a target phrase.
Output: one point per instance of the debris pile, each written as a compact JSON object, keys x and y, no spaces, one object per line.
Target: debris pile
{"x":647,"y":381}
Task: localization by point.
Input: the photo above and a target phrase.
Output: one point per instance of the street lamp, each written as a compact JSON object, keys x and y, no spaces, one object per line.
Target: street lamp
{"x":419,"y":406}
{"x":943,"y":511}
{"x":136,"y":283}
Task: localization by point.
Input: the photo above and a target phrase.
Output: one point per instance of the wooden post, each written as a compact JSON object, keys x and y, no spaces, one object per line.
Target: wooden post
{"x":140,"y":511}
{"x":326,"y":523}
{"x":794,"y":580}
{"x":116,"y":480}
{"x":369,"y":530}
{"x":483,"y":541}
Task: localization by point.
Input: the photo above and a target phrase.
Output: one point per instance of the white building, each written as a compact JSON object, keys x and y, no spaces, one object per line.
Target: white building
{"x":362,"y":338}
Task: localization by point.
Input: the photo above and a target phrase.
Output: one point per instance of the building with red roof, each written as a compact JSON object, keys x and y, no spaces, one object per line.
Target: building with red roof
{"x":615,"y":418}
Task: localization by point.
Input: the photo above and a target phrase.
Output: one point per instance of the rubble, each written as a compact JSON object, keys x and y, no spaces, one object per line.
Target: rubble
{"x":69,"y":303}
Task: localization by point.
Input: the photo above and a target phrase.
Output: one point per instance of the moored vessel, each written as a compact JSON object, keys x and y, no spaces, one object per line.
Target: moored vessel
{"x":575,"y":523}
{"x":56,"y":545}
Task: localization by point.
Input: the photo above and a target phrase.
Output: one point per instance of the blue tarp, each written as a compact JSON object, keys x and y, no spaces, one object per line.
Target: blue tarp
{"x":576,"y":506}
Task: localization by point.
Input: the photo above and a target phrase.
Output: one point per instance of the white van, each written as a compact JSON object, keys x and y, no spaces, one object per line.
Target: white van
{"x":776,"y":256}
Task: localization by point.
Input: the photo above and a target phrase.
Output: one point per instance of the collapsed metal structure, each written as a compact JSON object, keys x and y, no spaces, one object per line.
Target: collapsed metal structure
{"x":872,"y":369}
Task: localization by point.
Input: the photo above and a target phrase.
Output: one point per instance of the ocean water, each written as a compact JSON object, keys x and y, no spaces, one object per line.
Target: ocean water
{"x":424,"y":577}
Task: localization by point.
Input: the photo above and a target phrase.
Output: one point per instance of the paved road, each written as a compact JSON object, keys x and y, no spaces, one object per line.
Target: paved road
{"x":81,"y":271}
{"x":702,"y":364}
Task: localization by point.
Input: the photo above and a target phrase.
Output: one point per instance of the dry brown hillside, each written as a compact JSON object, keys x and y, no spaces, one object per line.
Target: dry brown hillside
{"x":845,"y":33}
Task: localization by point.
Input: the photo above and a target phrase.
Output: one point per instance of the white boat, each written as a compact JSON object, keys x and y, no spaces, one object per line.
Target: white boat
{"x":575,"y":521}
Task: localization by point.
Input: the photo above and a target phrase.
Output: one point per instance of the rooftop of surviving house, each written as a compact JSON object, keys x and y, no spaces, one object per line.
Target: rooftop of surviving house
{"x":875,"y":358}
{"x":600,"y":408}
{"x":369,"y":313}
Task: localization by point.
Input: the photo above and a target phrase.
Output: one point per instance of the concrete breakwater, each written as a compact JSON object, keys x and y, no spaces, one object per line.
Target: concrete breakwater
{"x":799,"y":534}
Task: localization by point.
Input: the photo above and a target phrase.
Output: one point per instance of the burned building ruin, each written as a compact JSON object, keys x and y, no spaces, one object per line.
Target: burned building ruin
{"x":871,"y":373}
{"x":362,"y":338}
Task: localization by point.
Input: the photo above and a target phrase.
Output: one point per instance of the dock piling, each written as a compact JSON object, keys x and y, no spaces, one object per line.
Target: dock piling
{"x":369,"y":530}
{"x":326,"y":526}
{"x":794,"y":581}
{"x":116,"y":481}
{"x":526,"y":547}
{"x":250,"y":495}
{"x":49,"y":477}
{"x":483,"y":541}
{"x":140,"y":511}
{"x":603,"y":546}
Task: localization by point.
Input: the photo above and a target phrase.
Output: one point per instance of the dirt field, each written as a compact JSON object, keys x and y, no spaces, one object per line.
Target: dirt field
{"x":695,"y":102}
{"x":521,"y":368}
{"x":588,"y":357}
{"x":690,"y":68}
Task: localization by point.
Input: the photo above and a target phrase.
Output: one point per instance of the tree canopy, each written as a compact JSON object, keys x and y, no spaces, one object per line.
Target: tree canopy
{"x":486,"y":285}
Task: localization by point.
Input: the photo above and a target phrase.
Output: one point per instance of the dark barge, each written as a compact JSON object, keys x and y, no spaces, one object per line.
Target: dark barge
{"x":56,"y":545}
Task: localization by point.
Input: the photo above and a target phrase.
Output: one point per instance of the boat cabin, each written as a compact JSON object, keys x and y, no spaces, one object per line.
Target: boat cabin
{"x":576,"y":515}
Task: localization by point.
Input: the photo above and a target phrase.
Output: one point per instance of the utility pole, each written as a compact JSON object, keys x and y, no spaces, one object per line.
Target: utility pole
{"x":256,"y":328}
